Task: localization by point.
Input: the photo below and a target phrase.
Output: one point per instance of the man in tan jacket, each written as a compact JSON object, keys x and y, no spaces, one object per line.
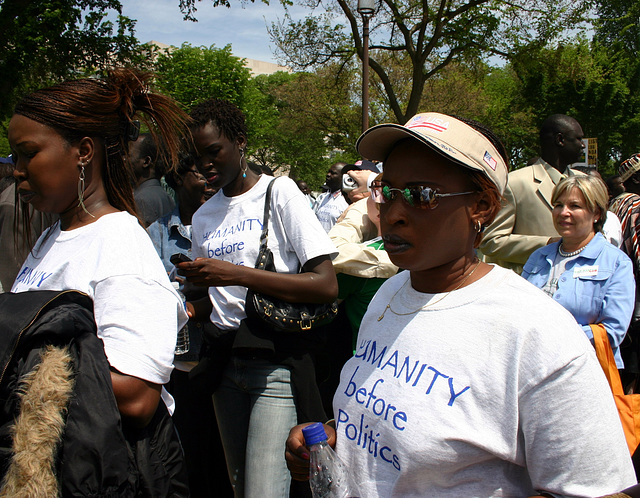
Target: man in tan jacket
{"x":524,"y":223}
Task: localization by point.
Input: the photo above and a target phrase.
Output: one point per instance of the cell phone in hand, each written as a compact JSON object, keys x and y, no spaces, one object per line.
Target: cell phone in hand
{"x":179,"y":258}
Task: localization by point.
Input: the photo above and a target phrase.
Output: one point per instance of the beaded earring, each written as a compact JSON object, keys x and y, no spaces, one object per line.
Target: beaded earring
{"x":244,"y":171}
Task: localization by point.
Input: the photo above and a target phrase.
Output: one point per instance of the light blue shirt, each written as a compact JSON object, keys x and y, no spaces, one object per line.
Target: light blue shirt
{"x":597,"y":286}
{"x":170,"y":236}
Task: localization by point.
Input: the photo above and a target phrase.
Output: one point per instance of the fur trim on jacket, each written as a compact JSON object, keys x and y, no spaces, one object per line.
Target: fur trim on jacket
{"x":44,"y":395}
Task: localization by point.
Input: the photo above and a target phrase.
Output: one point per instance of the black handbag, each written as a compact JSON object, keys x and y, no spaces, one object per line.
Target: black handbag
{"x":277,"y":313}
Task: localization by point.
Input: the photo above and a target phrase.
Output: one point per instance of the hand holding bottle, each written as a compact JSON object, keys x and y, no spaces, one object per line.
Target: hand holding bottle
{"x":297,"y":454}
{"x":329,"y":476}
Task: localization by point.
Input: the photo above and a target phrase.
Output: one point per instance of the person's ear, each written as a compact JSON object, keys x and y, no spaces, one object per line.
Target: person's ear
{"x":598,"y":214}
{"x":483,"y":210}
{"x":242,"y":142}
{"x":559,"y":139}
{"x":86,"y":150}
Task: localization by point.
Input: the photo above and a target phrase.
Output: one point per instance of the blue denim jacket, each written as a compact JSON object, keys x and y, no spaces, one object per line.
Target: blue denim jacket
{"x":170,"y":236}
{"x":604,"y":296}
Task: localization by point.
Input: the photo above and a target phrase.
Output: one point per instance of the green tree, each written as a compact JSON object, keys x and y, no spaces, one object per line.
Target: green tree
{"x":301,"y":122}
{"x":412,"y":42}
{"x":618,"y":25}
{"x":580,"y":79}
{"x":597,"y":82}
{"x":617,"y":41}
{"x":263,"y":111}
{"x":326,"y":100}
{"x":509,"y":116}
{"x":48,"y":40}
{"x":193,"y":74}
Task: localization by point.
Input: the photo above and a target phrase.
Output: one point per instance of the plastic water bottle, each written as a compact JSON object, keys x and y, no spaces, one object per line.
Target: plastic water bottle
{"x":328,"y":475}
{"x":183,"y":343}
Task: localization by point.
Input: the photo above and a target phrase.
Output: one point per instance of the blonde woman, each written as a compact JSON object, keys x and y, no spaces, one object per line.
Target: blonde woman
{"x":582,"y":271}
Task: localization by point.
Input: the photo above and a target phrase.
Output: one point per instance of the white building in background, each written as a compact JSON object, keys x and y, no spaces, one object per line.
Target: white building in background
{"x":256,"y":67}
{"x":262,"y":67}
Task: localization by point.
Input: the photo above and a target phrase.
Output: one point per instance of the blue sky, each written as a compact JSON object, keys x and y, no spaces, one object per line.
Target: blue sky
{"x":244,"y":28}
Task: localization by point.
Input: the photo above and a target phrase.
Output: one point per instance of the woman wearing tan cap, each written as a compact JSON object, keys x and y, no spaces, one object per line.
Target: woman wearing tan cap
{"x":467,"y":380}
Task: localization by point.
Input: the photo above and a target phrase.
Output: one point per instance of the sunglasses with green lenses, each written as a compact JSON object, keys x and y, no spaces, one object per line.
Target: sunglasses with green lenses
{"x":418,"y":196}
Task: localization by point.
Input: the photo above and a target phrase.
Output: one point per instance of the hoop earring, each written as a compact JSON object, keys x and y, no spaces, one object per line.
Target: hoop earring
{"x":244,"y":171}
{"x":477,"y":226}
{"x":81,"y":190}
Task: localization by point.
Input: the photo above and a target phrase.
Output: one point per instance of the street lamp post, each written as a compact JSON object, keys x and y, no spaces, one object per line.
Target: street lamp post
{"x":366,"y":9}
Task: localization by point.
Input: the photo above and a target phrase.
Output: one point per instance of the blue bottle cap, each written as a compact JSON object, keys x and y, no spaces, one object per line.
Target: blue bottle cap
{"x":314,"y":434}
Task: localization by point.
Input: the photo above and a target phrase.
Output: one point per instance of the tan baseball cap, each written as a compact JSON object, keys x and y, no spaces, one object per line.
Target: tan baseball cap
{"x":446,"y":135}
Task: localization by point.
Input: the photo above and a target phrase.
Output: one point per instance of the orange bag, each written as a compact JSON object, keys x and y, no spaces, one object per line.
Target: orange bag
{"x":628,"y":404}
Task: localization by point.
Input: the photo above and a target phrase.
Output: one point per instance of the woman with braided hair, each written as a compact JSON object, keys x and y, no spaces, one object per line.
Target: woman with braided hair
{"x":70,"y":146}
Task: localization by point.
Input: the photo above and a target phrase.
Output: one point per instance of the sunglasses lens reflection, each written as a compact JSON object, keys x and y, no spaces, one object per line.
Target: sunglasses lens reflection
{"x":414,"y":196}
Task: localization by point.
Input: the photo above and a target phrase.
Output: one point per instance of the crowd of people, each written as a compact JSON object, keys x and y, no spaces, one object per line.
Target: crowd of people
{"x":460,"y":361}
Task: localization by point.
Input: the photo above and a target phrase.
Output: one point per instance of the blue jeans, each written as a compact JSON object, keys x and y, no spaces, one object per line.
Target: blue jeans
{"x":255,"y":409}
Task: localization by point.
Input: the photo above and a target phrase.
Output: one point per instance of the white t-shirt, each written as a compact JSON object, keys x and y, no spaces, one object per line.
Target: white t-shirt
{"x":557,"y":269}
{"x":612,"y":229}
{"x":328,"y":208}
{"x":493,"y":391}
{"x":229,"y":228}
{"x":137,"y":311}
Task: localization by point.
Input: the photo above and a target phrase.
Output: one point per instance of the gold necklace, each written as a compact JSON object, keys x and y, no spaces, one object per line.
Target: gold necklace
{"x":388,"y":307}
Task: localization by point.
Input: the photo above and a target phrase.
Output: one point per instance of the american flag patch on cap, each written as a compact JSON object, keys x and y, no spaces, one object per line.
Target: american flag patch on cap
{"x":490,"y":160}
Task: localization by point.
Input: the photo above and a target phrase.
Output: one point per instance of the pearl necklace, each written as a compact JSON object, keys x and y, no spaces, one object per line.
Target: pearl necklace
{"x":569,"y":254}
{"x":388,"y":307}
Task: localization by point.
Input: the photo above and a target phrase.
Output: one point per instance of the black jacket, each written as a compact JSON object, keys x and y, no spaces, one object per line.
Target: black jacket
{"x":86,"y":452}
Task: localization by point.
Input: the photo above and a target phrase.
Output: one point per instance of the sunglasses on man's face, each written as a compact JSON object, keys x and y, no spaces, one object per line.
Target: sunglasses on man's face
{"x":418,"y":196}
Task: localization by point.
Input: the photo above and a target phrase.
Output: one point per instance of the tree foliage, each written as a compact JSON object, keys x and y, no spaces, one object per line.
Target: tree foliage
{"x":509,"y":116}
{"x":189,"y":9}
{"x":48,"y":40}
{"x":580,"y":79}
{"x":193,"y":74}
{"x":617,"y":41}
{"x":429,"y":55}
{"x":421,"y":37}
{"x":597,"y":81}
{"x":264,"y":115}
{"x":296,"y":122}
{"x":302,"y":122}
{"x":618,"y":24}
